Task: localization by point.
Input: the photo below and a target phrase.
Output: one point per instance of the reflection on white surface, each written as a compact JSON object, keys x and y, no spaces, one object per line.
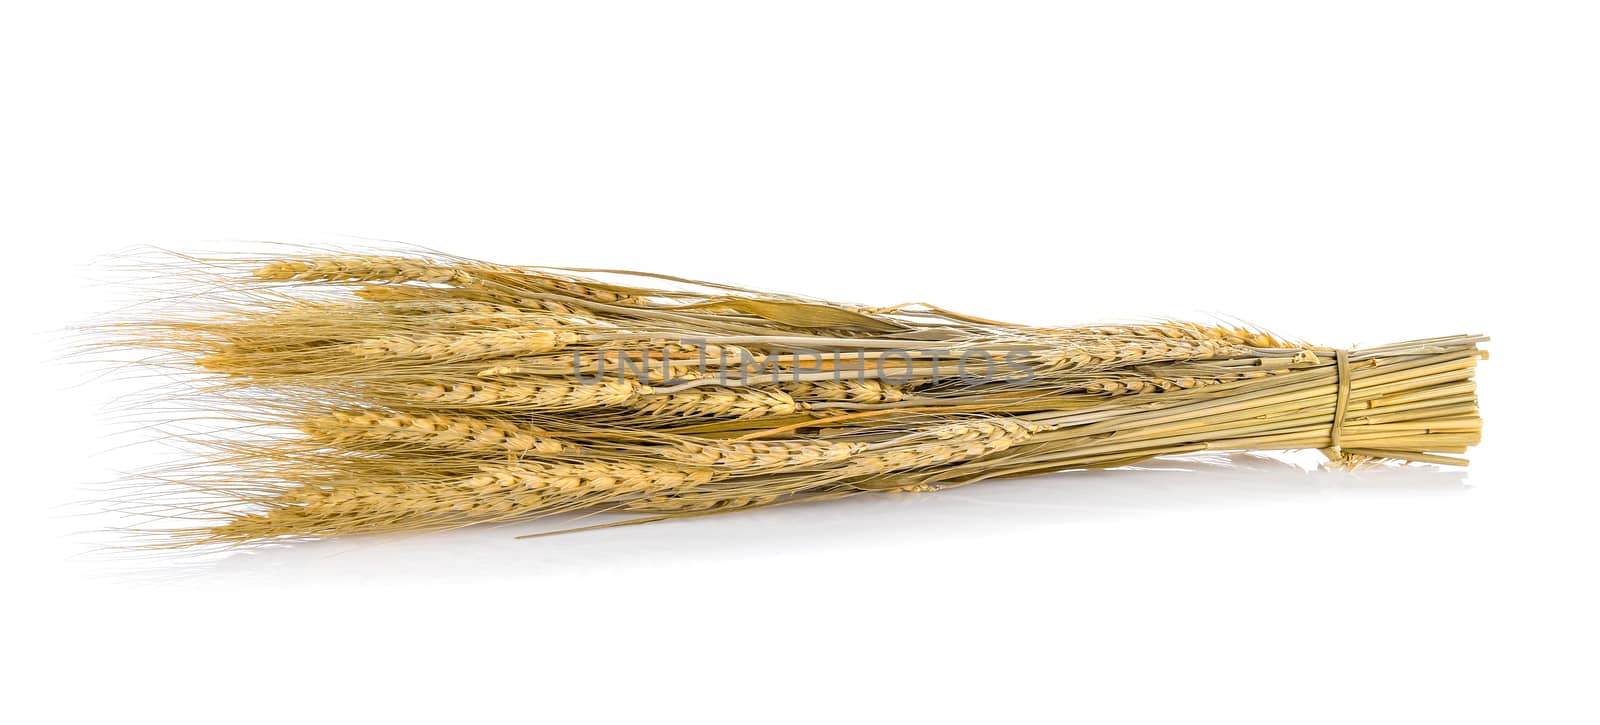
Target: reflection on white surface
{"x":1156,"y":488}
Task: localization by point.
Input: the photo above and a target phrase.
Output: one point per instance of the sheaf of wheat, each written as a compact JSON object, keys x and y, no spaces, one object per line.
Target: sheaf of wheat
{"x":370,"y":394}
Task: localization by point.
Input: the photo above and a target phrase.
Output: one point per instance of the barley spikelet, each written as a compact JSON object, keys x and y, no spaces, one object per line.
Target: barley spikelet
{"x":554,"y":307}
{"x":1134,"y":383}
{"x":719,"y":402}
{"x":498,"y":493}
{"x":362,"y":269}
{"x":544,"y":395}
{"x":468,"y":345}
{"x":747,"y":456}
{"x":950,"y":443}
{"x":846,"y":391}
{"x":311,"y":511}
{"x":441,"y":431}
{"x":466,"y":297}
{"x":456,"y":322}
{"x":1145,"y":384}
{"x":589,"y":479}
{"x":699,"y":503}
{"x":1237,"y":336}
{"x":599,"y":366}
{"x":463,"y":313}
{"x":581,"y":290}
{"x":501,"y":286}
{"x":504,"y":280}
{"x":657,"y":362}
{"x":413,"y":294}
{"x":1111,"y":353}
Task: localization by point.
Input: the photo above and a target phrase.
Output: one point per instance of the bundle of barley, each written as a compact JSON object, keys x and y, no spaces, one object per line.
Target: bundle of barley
{"x":376,"y":394}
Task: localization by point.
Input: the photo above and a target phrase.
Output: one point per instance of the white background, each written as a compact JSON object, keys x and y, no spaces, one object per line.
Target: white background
{"x":1356,"y":172}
